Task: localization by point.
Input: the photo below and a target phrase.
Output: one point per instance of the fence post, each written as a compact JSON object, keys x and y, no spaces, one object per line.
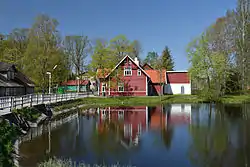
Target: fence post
{"x":22,"y":102}
{"x":11,"y":102}
{"x":37,"y":99}
{"x":50,"y":98}
{"x":42,"y":98}
{"x":14,"y":102}
{"x":31,"y":100}
{"x":56,"y":97}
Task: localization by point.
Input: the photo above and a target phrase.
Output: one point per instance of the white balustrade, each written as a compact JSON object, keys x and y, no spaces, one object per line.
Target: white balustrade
{"x":17,"y":102}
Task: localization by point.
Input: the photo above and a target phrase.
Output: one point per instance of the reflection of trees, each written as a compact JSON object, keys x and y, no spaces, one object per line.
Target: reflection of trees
{"x":167,"y":131}
{"x":106,"y":141}
{"x":219,"y":141}
{"x":209,"y":141}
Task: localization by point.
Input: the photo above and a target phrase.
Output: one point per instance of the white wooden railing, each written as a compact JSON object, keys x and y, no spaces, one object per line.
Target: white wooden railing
{"x":17,"y":102}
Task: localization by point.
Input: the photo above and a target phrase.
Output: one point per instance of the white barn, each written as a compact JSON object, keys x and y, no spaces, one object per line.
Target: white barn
{"x":177,"y":82}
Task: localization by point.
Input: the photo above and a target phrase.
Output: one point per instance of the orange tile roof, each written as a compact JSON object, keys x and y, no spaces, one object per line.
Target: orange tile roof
{"x":155,"y":76}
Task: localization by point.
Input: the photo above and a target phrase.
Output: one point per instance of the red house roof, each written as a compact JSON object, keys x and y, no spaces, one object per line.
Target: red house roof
{"x":75,"y":82}
{"x":177,"y":77}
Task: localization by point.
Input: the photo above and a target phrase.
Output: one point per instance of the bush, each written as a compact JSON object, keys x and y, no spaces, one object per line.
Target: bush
{"x":8,"y":134}
{"x":29,"y":114}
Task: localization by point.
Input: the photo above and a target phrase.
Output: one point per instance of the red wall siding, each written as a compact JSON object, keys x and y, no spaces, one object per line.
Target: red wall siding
{"x":134,"y":85}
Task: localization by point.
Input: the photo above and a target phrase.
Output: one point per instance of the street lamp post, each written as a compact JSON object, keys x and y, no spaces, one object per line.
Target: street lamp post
{"x":49,"y":73}
{"x":78,"y":85}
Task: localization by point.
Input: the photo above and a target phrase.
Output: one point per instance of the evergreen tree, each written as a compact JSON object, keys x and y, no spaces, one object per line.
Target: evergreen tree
{"x":167,"y":60}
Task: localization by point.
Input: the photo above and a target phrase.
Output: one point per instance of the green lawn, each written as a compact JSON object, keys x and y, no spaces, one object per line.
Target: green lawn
{"x":147,"y":100}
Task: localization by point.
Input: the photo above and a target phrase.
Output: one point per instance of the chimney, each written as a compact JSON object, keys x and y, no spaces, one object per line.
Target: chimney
{"x":137,"y":61}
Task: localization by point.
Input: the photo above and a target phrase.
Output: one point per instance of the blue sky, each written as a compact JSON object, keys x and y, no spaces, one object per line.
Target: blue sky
{"x":155,"y":23}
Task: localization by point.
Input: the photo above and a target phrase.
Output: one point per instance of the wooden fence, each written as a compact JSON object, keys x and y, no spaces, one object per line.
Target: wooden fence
{"x":18,"y":102}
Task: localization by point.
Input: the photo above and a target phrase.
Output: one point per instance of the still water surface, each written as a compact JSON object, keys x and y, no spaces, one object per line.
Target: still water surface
{"x":171,"y":135}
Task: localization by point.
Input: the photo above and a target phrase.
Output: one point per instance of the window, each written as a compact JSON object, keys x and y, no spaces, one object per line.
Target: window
{"x":10,"y":75}
{"x":121,"y":115}
{"x":139,"y":72}
{"x":128,"y":71}
{"x":120,"y":87}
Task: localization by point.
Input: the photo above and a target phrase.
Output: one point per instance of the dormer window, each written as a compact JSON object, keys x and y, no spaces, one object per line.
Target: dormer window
{"x":128,"y":71}
{"x":10,"y":75}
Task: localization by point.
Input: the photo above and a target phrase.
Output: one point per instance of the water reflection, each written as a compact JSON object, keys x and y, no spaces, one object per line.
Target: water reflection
{"x":173,"y":134}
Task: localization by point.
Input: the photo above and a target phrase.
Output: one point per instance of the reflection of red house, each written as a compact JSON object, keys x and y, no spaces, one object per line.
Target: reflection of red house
{"x":132,"y":120}
{"x":173,"y":114}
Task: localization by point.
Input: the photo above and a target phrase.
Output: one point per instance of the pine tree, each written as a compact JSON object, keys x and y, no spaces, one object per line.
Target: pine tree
{"x":167,"y":60}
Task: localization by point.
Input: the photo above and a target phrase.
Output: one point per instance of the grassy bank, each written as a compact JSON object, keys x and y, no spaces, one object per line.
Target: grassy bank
{"x":148,"y":100}
{"x":69,"y":163}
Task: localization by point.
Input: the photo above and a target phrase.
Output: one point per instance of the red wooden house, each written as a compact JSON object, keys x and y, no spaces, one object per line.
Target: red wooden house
{"x":128,"y":78}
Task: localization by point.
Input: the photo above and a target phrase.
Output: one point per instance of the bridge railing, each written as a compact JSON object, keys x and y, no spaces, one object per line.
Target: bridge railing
{"x":17,"y":102}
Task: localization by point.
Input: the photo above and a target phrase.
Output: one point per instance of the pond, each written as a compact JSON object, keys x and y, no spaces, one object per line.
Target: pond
{"x":168,"y":135}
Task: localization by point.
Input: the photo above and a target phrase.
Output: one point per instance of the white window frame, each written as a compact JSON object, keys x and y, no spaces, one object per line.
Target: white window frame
{"x":139,"y":72}
{"x":121,"y":114}
{"x":119,"y":86}
{"x":104,"y":86}
{"x":128,"y":71}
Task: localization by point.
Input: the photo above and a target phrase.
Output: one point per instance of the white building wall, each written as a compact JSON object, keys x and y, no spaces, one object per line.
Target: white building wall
{"x":176,"y":88}
{"x":180,"y":108}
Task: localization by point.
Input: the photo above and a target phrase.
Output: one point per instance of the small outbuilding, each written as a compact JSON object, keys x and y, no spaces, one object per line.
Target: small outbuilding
{"x":72,"y":86}
{"x":13,"y":82}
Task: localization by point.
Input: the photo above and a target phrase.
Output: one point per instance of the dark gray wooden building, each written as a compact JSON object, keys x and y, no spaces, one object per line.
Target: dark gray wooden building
{"x":13,"y":82}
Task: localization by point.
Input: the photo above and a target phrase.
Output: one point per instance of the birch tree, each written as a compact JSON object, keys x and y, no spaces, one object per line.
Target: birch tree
{"x":78,"y":48}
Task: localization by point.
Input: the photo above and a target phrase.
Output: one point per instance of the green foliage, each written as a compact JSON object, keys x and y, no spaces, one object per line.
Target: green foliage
{"x":8,"y":134}
{"x":102,"y":57}
{"x":167,"y":60}
{"x":220,"y":56}
{"x":106,"y":55}
{"x":43,"y":52}
{"x":209,"y":66}
{"x":29,"y":114}
{"x":152,"y":59}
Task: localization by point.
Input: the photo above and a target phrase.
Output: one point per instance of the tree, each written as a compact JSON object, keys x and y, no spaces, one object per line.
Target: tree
{"x":136,"y":49}
{"x":206,"y":65}
{"x":151,"y":59}
{"x":15,"y":46}
{"x":78,"y":48}
{"x":167,"y":60}
{"x":120,"y":47}
{"x":242,"y":35}
{"x":44,"y":52}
